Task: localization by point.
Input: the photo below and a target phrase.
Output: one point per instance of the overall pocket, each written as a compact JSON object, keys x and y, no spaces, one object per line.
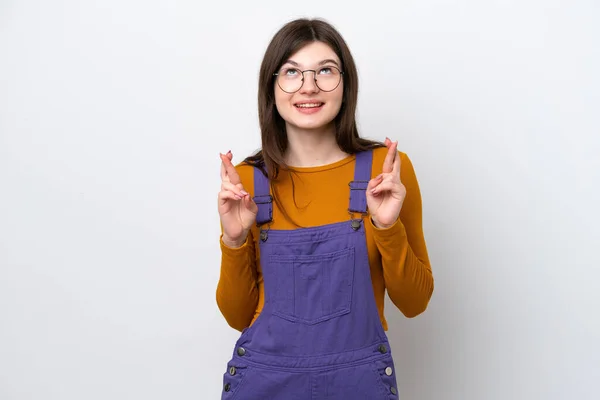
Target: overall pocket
{"x":245,"y":382}
{"x":356,"y":382}
{"x":313,"y":288}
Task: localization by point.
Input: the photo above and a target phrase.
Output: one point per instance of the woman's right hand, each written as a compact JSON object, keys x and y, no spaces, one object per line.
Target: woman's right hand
{"x":236,"y":209}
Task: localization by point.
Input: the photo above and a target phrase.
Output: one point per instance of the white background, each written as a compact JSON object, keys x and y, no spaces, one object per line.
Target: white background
{"x":112,"y":115}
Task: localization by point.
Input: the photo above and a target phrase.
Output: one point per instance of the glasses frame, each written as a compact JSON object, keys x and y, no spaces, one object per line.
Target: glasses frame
{"x":276,"y":75}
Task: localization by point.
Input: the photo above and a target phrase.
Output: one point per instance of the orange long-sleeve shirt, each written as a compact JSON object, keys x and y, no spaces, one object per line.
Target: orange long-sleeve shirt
{"x":397,"y":255}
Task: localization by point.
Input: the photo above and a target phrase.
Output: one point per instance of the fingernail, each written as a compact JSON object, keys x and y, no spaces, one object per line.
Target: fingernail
{"x":237,"y":197}
{"x":243,"y":192}
{"x":229,"y":152}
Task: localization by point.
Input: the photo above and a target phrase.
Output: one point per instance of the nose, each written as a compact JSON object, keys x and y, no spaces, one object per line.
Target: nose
{"x":309,"y":84}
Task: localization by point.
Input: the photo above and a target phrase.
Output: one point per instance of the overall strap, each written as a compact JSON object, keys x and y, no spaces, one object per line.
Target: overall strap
{"x":362,"y":176}
{"x":262,"y":197}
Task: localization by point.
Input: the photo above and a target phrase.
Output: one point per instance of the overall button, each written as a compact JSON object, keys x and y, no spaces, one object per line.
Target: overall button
{"x":264,"y":235}
{"x":227,"y":387}
{"x":388,"y":371}
{"x":232,"y":371}
{"x":393,"y":390}
{"x":382,"y":349}
{"x":241,"y":351}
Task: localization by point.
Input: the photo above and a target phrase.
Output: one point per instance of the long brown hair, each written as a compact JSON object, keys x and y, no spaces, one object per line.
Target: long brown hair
{"x":288,"y":40}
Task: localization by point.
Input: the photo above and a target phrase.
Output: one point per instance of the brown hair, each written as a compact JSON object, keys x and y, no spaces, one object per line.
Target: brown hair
{"x":288,"y":40}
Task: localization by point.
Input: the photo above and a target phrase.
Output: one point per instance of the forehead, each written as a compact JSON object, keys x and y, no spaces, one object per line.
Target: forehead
{"x":313,"y":53}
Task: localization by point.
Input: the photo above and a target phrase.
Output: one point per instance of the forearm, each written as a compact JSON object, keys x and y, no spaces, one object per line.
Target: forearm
{"x":237,"y":292}
{"x":408,"y":279}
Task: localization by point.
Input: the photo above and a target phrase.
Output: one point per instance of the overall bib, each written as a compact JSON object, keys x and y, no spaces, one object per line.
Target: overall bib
{"x":319,"y":335}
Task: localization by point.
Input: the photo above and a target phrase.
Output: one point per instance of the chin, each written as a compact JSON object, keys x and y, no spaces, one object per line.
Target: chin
{"x":311,"y":125}
{"x":311,"y":122}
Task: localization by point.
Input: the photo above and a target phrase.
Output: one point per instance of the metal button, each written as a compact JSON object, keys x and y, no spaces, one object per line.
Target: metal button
{"x":388,"y":371}
{"x":264,"y":235}
{"x":227,"y":387}
{"x":241,"y":351}
{"x":382,"y":348}
{"x":232,"y":371}
{"x":355,"y":224}
{"x":393,"y":390}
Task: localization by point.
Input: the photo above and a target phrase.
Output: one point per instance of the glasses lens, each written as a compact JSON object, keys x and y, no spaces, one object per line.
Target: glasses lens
{"x":328,"y":78}
{"x":289,"y":79}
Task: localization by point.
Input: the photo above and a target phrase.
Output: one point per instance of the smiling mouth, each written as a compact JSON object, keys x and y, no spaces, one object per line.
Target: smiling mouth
{"x":308,"y":105}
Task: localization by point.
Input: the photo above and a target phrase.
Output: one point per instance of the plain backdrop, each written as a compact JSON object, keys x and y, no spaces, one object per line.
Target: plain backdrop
{"x":112,"y":116}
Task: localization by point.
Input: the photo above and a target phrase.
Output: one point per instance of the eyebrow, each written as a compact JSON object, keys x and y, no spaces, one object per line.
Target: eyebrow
{"x":326,"y":61}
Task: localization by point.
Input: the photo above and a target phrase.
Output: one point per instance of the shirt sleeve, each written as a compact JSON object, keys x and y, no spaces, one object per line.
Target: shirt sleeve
{"x":237,"y":289}
{"x":405,"y":262}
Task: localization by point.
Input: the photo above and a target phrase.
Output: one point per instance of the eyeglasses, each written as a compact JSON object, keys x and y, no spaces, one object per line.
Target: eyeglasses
{"x":290,"y":80}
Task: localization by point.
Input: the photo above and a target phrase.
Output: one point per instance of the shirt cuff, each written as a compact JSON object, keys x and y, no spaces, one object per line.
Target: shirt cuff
{"x":396,"y":230}
{"x":233,"y":251}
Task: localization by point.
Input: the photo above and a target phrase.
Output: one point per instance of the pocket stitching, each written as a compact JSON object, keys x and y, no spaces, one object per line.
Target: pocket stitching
{"x":308,"y":257}
{"x":293,"y":259}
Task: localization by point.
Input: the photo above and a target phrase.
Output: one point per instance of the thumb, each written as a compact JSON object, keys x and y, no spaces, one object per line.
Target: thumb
{"x":250,"y":205}
{"x":374,"y":182}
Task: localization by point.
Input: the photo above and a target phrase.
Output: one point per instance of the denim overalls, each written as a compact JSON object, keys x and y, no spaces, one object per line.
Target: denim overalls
{"x":319,"y":335}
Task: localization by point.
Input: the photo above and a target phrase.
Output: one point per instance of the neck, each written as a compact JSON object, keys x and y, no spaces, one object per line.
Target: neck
{"x":312,"y":148}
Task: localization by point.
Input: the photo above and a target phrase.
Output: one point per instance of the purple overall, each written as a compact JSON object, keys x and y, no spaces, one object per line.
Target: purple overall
{"x":319,"y":335}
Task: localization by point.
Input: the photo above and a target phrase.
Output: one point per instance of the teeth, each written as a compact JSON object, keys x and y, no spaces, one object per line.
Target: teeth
{"x":309,"y":105}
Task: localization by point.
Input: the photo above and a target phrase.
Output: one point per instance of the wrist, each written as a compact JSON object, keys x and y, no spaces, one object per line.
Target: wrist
{"x":379,"y":225}
{"x":233,"y":243}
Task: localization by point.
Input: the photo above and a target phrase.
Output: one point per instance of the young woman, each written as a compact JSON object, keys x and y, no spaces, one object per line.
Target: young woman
{"x":315,"y":228}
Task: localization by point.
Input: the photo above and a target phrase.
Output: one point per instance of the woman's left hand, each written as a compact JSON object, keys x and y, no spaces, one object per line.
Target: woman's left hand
{"x":385,"y":192}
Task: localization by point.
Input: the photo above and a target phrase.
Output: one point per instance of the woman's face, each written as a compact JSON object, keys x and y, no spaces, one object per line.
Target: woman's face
{"x":312,"y":106}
